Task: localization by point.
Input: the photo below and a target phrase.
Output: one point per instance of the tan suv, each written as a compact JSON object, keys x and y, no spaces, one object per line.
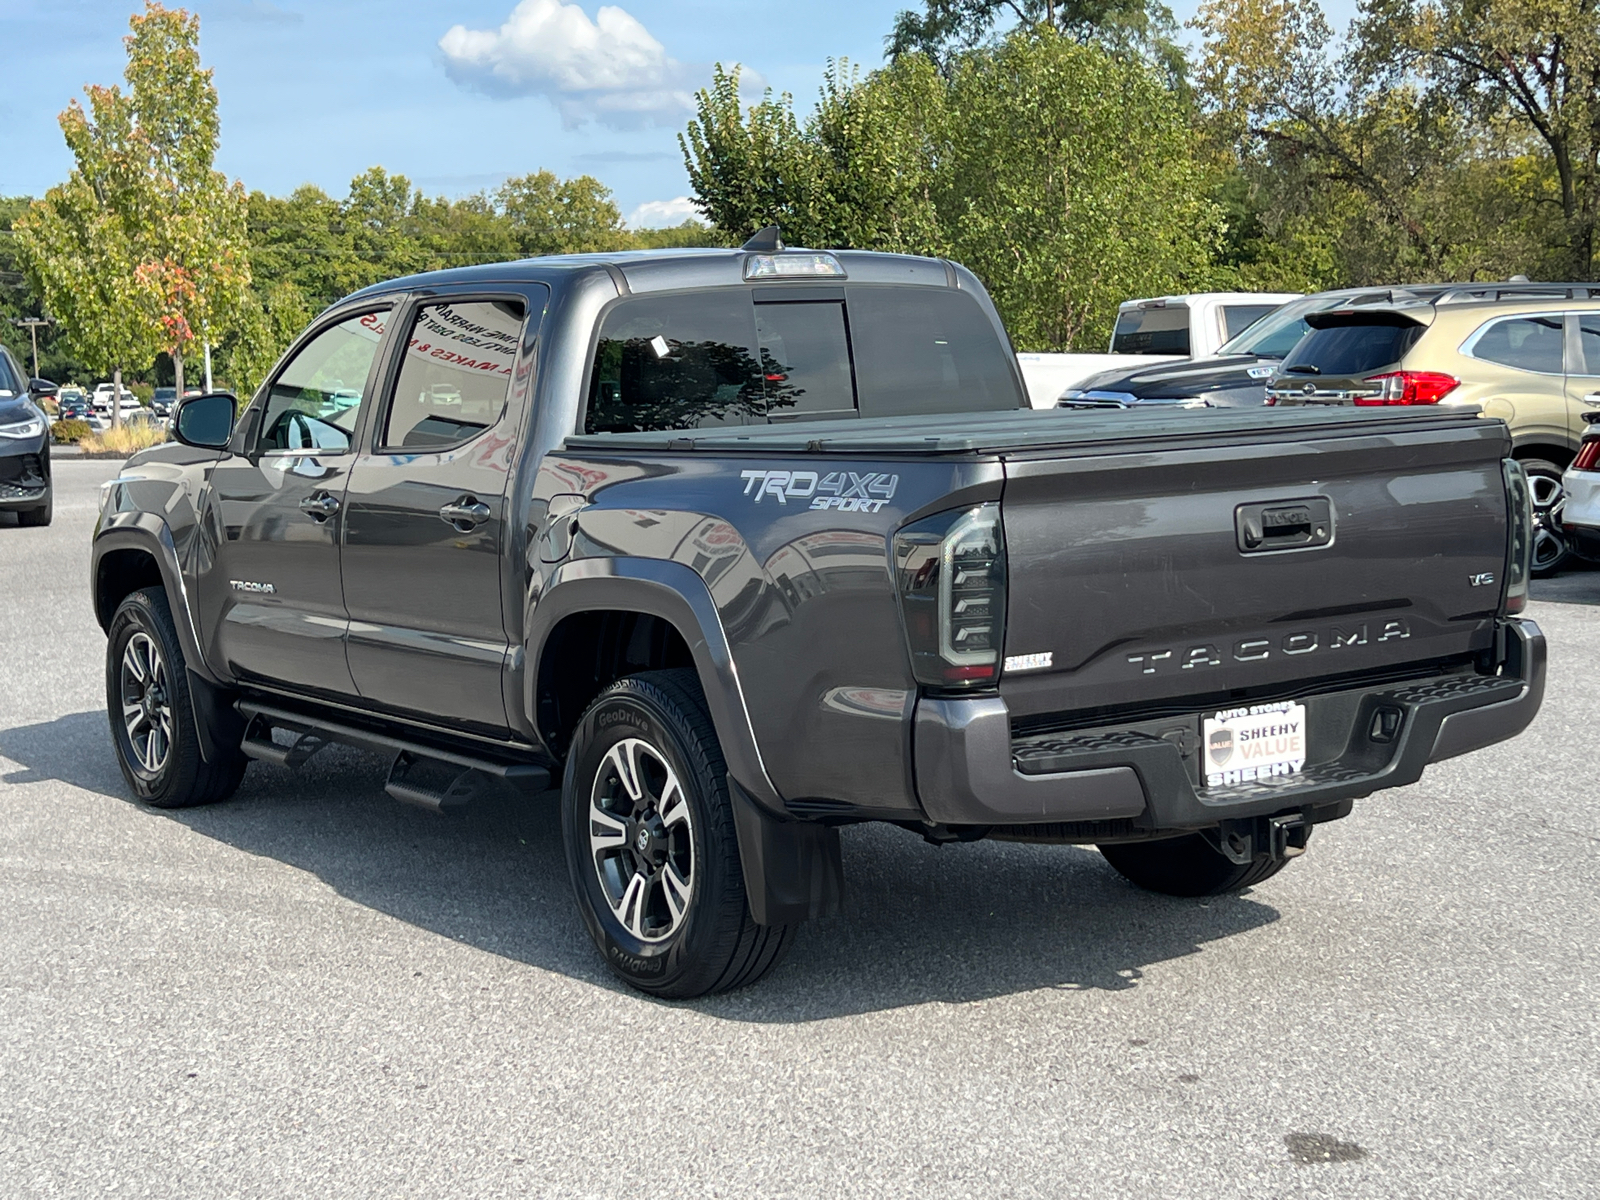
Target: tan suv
{"x":1532,"y":360}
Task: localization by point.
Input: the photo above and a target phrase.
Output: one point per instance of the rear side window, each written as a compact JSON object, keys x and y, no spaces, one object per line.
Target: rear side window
{"x":1353,"y":349}
{"x":928,"y":350}
{"x":1236,"y":318}
{"x":676,"y":362}
{"x":1527,"y":343}
{"x":456,"y":373}
{"x":1162,"y":330}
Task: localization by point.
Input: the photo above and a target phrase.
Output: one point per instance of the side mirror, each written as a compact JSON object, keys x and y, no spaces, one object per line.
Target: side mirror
{"x":40,"y":388}
{"x":205,"y":421}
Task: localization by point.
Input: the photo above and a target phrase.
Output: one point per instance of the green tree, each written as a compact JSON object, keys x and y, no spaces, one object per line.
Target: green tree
{"x":1069,"y":181}
{"x":1531,"y":64}
{"x":1065,"y":175}
{"x":750,"y":168}
{"x":1341,"y":163}
{"x":944,"y":29}
{"x":269,"y":321}
{"x":550,"y":215}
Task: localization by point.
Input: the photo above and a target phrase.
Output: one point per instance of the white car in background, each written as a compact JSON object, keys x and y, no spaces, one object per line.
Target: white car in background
{"x":1580,"y":510}
{"x":103,"y":392}
{"x":1157,"y":329}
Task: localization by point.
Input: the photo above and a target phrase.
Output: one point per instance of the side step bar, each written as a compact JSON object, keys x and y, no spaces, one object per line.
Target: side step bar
{"x":415,"y":773}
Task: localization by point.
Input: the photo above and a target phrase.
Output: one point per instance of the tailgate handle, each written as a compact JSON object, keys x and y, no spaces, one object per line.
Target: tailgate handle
{"x":1284,"y":525}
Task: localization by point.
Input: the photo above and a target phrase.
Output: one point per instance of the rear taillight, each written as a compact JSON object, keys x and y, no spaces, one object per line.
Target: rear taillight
{"x":952,"y":579}
{"x":1519,"y":556}
{"x":1588,"y":456}
{"x":1410,"y":387}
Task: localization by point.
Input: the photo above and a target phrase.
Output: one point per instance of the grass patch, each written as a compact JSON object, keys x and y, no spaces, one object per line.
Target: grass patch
{"x":122,"y":441}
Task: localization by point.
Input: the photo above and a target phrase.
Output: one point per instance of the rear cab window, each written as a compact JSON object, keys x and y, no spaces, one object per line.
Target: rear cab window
{"x":743,"y":356}
{"x":1152,"y":330}
{"x":1352,"y":349}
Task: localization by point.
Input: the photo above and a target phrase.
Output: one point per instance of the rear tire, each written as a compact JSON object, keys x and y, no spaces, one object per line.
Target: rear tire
{"x":1186,"y":866}
{"x":1551,"y":550}
{"x":37,"y":517}
{"x":152,"y":714}
{"x":651,"y":845}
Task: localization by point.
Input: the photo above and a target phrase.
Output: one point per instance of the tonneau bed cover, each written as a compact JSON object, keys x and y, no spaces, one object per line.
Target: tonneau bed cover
{"x":1022,"y":431}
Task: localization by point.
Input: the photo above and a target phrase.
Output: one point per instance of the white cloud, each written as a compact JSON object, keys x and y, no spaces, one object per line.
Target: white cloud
{"x":662,"y":214}
{"x":609,"y":70}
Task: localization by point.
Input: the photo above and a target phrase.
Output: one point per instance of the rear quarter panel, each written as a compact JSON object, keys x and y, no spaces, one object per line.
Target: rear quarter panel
{"x":805,"y":594}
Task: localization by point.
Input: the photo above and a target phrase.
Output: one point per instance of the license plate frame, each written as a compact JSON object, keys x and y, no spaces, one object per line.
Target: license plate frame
{"x":1252,"y":742}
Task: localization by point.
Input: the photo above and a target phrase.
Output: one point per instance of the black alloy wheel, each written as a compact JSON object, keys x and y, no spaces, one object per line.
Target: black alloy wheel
{"x":1551,"y":550}
{"x":152,"y":713}
{"x":651,"y":845}
{"x":641,"y":837}
{"x":145,"y":687}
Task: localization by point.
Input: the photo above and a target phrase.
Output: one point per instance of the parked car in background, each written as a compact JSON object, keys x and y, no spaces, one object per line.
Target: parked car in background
{"x":103,"y":393}
{"x":71,"y":396}
{"x":1580,"y":517}
{"x":1236,"y":377}
{"x":24,"y":448}
{"x":162,"y":399}
{"x":1158,"y":329}
{"x":1531,"y":360}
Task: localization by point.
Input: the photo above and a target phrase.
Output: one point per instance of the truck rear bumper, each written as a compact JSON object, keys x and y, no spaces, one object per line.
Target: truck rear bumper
{"x":970,"y":771}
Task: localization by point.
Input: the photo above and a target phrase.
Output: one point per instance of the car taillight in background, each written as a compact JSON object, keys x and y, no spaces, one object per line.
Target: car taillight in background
{"x":1519,"y":558}
{"x":952,"y":576}
{"x":1588,"y":456}
{"x":1410,"y":387}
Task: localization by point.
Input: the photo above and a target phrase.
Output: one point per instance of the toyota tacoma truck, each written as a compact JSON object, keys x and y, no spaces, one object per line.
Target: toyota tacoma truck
{"x":738,"y":547}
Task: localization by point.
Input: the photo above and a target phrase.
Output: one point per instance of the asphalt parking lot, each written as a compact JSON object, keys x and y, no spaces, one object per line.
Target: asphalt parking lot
{"x":311,"y":990}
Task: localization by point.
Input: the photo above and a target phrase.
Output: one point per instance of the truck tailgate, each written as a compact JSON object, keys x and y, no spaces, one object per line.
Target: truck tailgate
{"x":1254,"y":562}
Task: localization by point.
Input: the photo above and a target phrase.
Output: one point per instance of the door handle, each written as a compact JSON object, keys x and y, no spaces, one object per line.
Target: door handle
{"x":321,"y":506}
{"x":1592,"y":398}
{"x":465,"y":514}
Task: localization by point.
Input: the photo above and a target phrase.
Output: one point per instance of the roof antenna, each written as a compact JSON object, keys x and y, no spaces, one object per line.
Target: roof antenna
{"x":766,"y":241}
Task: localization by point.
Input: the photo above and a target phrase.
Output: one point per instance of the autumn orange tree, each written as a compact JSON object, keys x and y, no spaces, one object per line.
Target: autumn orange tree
{"x":143,"y":248}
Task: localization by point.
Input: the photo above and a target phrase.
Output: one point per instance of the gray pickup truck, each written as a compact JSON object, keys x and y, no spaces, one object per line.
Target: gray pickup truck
{"x":737,"y":547}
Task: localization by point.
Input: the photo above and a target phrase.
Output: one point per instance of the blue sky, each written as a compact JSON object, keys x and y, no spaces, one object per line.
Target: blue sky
{"x":455,"y":94}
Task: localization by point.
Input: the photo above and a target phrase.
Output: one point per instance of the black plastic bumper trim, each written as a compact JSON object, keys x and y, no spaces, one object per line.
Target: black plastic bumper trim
{"x":969,"y":771}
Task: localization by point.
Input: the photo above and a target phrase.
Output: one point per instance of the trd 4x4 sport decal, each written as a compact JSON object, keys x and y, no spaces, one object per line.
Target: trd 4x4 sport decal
{"x":845,"y":491}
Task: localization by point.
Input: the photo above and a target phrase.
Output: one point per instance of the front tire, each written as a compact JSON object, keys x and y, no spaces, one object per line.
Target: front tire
{"x":651,"y":845}
{"x":1186,"y":866}
{"x":152,"y":715}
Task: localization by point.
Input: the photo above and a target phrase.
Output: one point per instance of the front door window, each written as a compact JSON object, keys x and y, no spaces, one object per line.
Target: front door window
{"x":314,"y":402}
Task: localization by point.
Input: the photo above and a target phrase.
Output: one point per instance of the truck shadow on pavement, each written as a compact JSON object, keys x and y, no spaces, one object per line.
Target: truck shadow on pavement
{"x":950,"y":924}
